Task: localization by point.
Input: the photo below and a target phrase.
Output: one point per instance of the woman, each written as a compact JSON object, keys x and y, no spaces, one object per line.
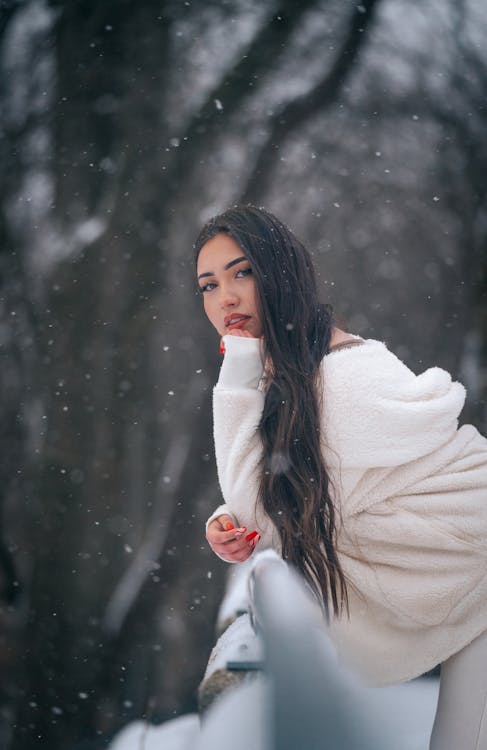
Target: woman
{"x":332,"y":451}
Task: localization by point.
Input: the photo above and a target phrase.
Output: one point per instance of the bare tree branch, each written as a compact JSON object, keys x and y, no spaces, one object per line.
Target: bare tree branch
{"x":318,"y":98}
{"x":152,"y":547}
{"x":262,"y":54}
{"x":145,"y":560}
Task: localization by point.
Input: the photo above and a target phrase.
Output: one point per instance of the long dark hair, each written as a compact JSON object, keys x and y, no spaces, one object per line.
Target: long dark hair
{"x":294,"y":484}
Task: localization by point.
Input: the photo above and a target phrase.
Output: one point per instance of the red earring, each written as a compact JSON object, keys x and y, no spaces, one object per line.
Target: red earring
{"x":222,"y":347}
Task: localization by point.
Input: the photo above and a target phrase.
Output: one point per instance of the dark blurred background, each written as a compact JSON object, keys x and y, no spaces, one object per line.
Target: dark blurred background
{"x":125,"y":125}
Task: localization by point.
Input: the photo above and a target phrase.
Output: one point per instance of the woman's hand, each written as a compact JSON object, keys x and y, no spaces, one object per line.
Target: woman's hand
{"x":233,"y":545}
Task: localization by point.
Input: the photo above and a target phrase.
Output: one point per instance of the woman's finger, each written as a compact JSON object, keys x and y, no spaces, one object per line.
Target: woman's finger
{"x":222,"y":522}
{"x":214,"y":535}
{"x":235,"y":547}
{"x":225,"y":521}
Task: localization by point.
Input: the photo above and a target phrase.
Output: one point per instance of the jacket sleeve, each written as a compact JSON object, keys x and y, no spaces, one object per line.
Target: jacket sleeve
{"x":237,"y":409}
{"x":378,"y":413}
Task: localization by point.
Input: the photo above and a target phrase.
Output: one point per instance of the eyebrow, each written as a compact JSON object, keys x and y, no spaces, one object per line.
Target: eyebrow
{"x":225,"y":268}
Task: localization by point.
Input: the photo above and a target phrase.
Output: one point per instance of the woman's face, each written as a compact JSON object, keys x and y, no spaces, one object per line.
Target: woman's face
{"x":229,"y":290}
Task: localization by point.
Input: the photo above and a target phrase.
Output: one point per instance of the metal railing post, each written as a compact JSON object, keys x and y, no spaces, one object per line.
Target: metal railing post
{"x":315,"y":703}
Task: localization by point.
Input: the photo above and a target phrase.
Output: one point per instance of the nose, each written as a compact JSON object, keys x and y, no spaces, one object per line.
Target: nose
{"x":228,"y":297}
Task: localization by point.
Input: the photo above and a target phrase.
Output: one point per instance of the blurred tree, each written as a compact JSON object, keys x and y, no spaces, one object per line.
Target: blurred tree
{"x":124,"y":126}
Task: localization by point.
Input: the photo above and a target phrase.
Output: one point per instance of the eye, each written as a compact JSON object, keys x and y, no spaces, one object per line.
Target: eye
{"x":243,"y":272}
{"x":207,"y":287}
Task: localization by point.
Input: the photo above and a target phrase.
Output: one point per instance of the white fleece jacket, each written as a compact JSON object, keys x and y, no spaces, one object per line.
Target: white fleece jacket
{"x":412,"y":492}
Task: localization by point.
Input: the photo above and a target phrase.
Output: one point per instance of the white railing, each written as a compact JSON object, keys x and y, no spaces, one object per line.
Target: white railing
{"x":295,"y":695}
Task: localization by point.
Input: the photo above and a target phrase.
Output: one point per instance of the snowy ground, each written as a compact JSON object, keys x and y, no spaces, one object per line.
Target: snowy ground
{"x":411,"y":705}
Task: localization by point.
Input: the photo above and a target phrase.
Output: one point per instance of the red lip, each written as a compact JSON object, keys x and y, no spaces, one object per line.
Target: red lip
{"x":240,"y":320}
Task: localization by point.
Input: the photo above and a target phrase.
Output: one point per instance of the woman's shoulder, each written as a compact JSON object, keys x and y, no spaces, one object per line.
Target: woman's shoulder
{"x":341,"y":340}
{"x":358,"y":363}
{"x":367,"y":376}
{"x":368,"y":368}
{"x":377,"y":412}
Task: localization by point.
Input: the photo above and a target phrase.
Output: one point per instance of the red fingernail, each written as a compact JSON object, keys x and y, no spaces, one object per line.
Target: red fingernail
{"x":251,"y":536}
{"x":222,"y":347}
{"x":229,"y":526}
